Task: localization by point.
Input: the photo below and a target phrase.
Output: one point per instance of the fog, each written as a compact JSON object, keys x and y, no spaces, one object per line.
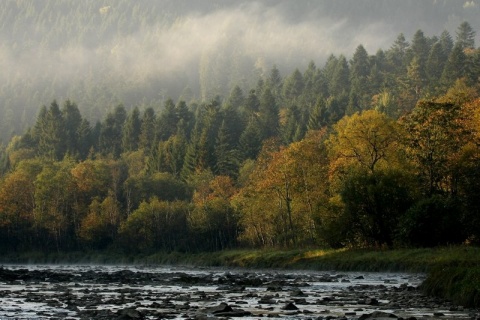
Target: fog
{"x":252,"y":30}
{"x":209,"y":50}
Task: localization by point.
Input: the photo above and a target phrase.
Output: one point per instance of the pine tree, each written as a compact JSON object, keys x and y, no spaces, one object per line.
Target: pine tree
{"x":318,"y":116}
{"x":292,"y":122}
{"x":85,"y":139}
{"x":274,"y":82}
{"x":72,"y":119}
{"x":110,"y":141}
{"x":147,"y":130}
{"x":167,"y":121}
{"x":182,"y":113}
{"x":446,"y":42}
{"x":251,"y":140}
{"x":455,"y":66}
{"x":268,"y":114}
{"x":465,"y":36}
{"x":227,"y":156}
{"x":397,"y":54}
{"x":419,"y":51}
{"x":293,"y":86}
{"x":359,"y":71}
{"x":435,"y":64}
{"x":131,"y":131}
{"x":50,"y":132}
{"x":236,"y":98}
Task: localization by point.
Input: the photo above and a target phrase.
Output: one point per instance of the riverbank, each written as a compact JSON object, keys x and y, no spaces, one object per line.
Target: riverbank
{"x":453,"y":272}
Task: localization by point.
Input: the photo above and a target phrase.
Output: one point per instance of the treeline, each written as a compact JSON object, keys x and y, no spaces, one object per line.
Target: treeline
{"x":357,"y":153}
{"x":76,"y":49}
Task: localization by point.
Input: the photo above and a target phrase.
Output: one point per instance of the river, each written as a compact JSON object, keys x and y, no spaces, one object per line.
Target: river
{"x":144,"y":292}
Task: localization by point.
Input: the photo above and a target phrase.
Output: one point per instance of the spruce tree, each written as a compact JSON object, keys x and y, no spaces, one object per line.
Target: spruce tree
{"x":131,"y":131}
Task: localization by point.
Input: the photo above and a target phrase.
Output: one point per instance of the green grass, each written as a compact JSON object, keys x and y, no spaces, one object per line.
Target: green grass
{"x":459,"y":284}
{"x":453,"y":272}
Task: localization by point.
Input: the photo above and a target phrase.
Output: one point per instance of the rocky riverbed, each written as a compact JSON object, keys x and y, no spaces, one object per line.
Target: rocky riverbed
{"x":107,"y":292}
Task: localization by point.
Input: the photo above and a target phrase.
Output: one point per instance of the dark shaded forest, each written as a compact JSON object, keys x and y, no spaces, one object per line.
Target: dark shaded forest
{"x":380,"y":150}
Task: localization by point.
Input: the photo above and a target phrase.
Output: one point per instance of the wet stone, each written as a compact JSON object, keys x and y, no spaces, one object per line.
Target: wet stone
{"x":99,"y":292}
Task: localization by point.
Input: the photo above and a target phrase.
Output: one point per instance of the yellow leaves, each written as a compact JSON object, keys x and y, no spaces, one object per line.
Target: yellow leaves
{"x":368,"y":140}
{"x":222,"y":187}
{"x":472,"y":119}
{"x":16,"y":198}
{"x":286,"y":187}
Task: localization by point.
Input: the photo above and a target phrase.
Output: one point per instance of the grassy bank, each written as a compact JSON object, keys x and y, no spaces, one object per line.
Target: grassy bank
{"x":453,"y":272}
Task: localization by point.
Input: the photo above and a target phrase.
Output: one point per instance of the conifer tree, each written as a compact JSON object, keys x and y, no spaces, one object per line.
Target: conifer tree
{"x":147,"y":130}
{"x":268,"y":114}
{"x":73,"y":120}
{"x":131,"y":131}
{"x":110,"y":141}
{"x":465,"y":36}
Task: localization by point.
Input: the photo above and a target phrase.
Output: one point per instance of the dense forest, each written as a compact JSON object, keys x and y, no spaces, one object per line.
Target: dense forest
{"x":377,"y":150}
{"x":101,"y":53}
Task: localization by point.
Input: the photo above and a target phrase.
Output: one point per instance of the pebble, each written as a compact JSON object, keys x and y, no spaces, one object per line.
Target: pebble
{"x":126,"y":294}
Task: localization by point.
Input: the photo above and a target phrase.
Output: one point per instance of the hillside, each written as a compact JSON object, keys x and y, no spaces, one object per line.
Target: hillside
{"x":139,"y":53}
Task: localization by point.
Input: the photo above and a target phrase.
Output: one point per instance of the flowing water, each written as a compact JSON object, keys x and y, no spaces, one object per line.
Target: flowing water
{"x":127,"y":292}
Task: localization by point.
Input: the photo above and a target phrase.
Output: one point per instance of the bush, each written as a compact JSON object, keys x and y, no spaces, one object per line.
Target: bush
{"x":433,"y":221}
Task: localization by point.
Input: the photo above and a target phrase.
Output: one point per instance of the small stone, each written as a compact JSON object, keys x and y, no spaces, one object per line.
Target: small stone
{"x":377,"y":315}
{"x":290,"y":306}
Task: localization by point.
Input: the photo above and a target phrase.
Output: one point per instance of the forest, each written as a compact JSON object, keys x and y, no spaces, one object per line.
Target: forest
{"x":101,"y":53}
{"x":380,"y":150}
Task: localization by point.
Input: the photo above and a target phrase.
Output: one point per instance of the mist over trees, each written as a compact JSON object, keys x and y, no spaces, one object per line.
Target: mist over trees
{"x":366,"y":148}
{"x":104,"y":53}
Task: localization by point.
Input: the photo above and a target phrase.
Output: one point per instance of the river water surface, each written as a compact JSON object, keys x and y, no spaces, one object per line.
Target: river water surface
{"x":127,"y":292}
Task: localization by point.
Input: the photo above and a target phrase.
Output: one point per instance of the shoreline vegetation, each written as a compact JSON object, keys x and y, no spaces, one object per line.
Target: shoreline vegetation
{"x":452,"y":272}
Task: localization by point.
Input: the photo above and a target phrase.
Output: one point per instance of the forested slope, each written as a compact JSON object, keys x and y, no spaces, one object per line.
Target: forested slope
{"x":377,"y":150}
{"x":139,"y":53}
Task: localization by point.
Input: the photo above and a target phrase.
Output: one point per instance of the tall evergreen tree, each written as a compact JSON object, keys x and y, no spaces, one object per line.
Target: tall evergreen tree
{"x":183,"y":113}
{"x":85,"y":139}
{"x":252,"y":104}
{"x":274,"y":81}
{"x":465,"y":36}
{"x":73,"y":120}
{"x":50,"y":132}
{"x":236,"y":98}
{"x":419,"y":51}
{"x":209,"y":123}
{"x":397,"y":54}
{"x":293,"y":86}
{"x":291,"y":125}
{"x":329,"y":71}
{"x":435,"y":64}
{"x":167,"y":121}
{"x":455,"y":66}
{"x":131,"y":131}
{"x":227,"y":156}
{"x":110,"y":141}
{"x":446,"y":42}
{"x":339,"y":87}
{"x":147,"y":130}
{"x":359,"y":71}
{"x":268,"y":114}
{"x":251,"y":140}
